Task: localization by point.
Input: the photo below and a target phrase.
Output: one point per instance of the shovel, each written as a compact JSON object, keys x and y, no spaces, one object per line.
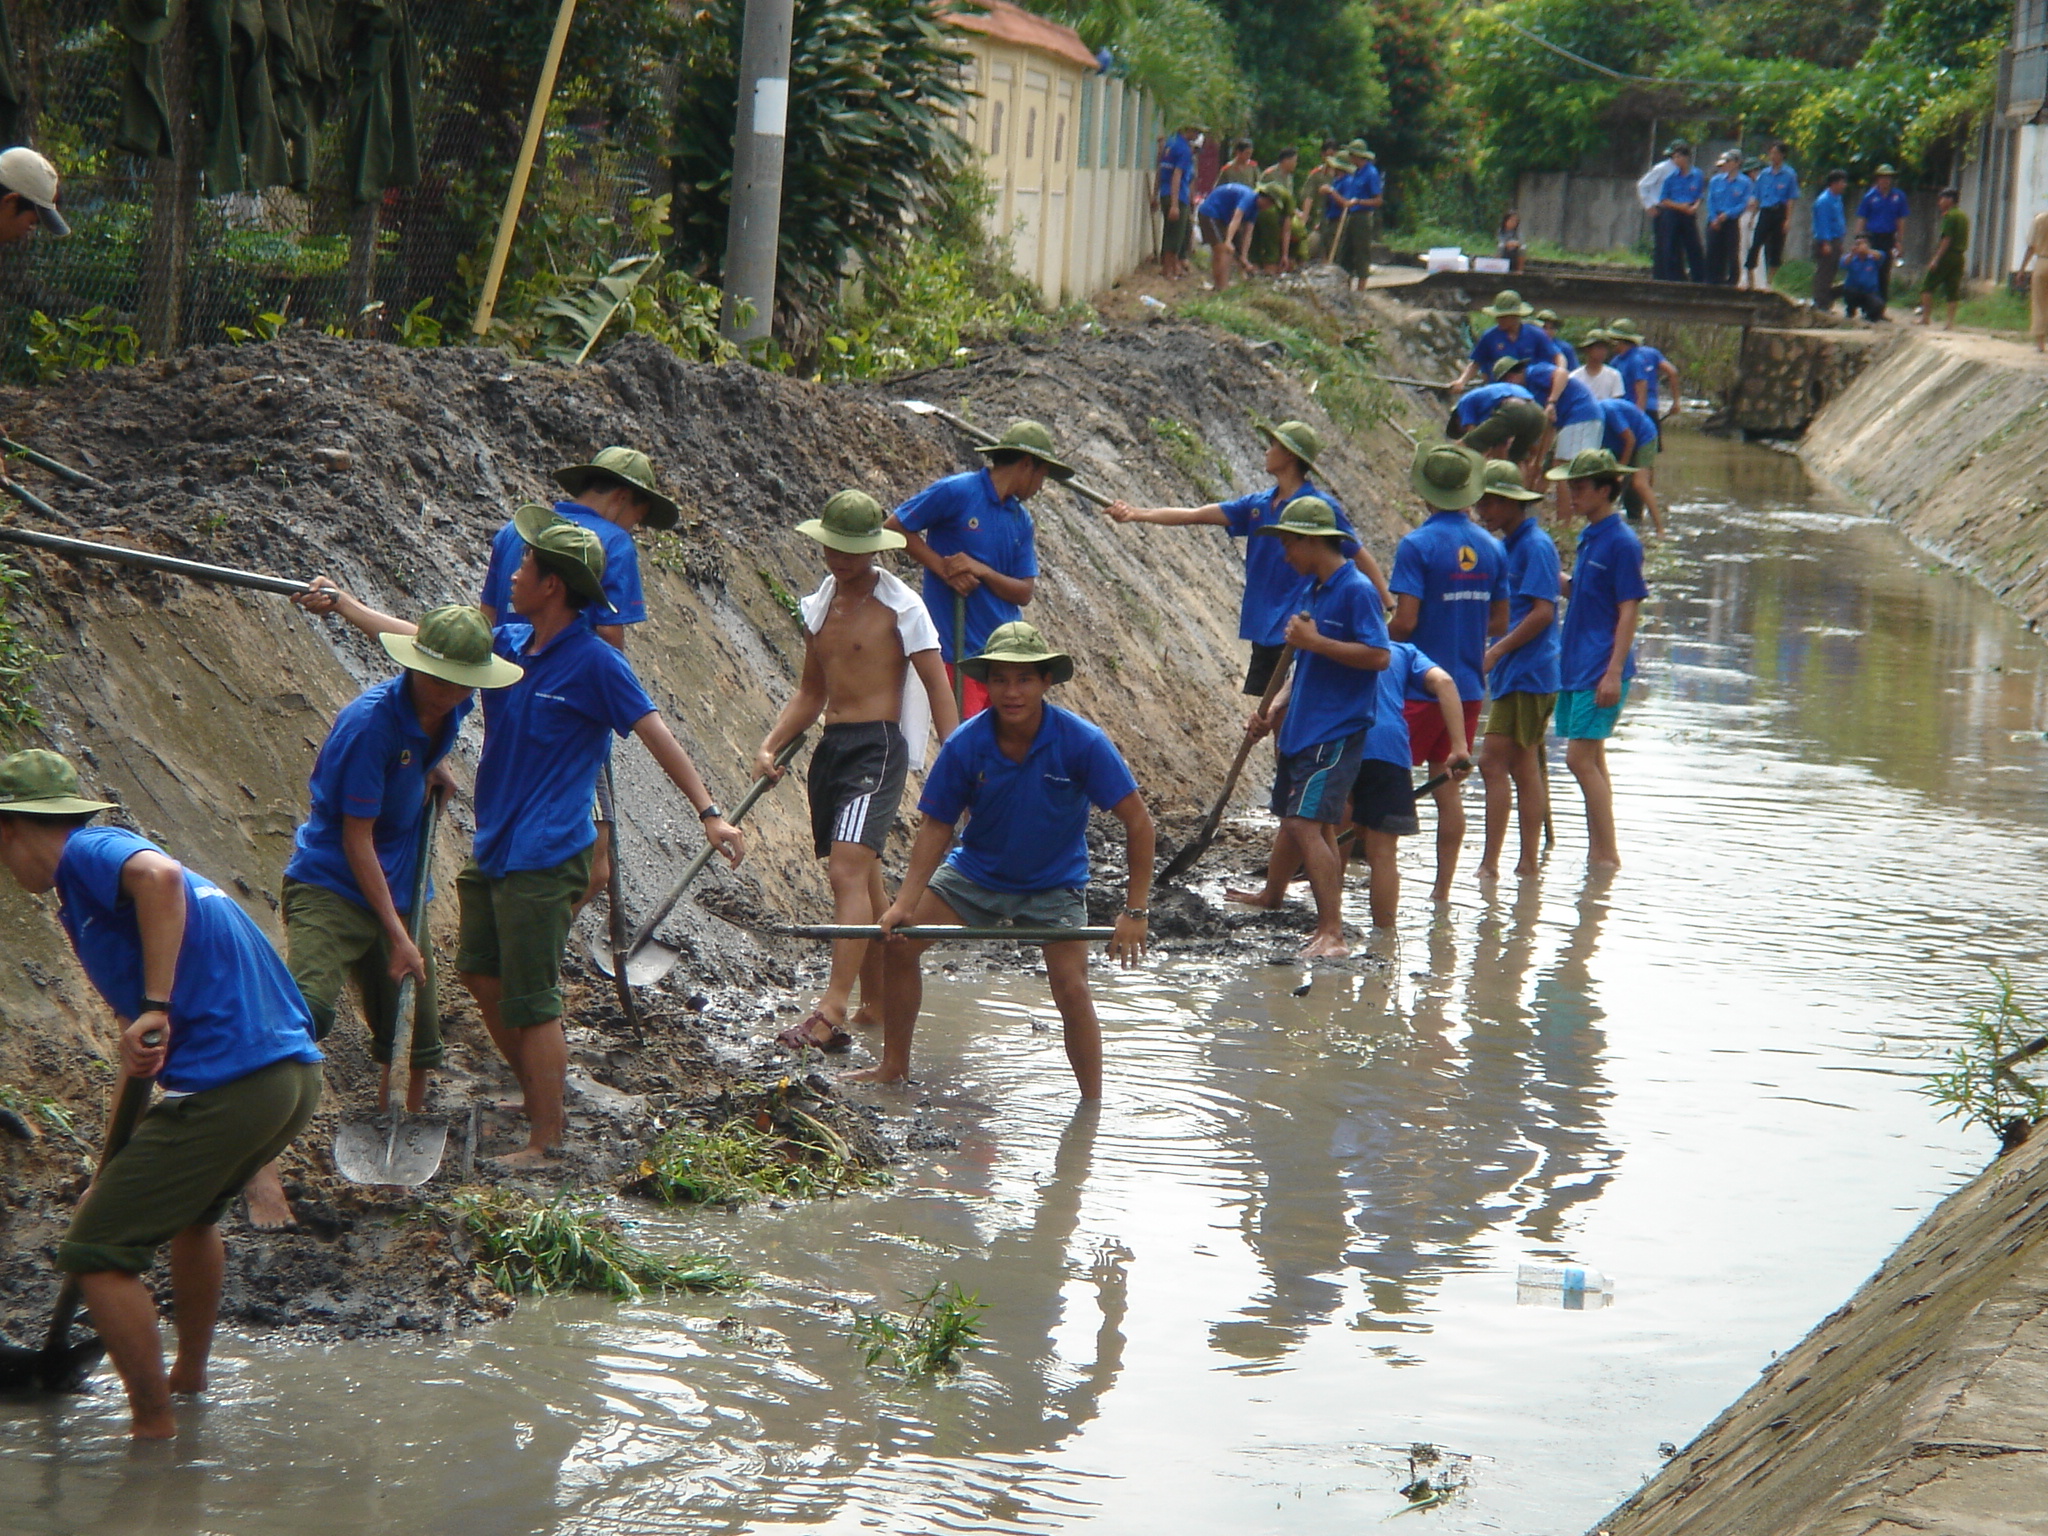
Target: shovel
{"x":615,"y":905}
{"x":988,"y":439}
{"x":197,"y":570}
{"x":942,"y":933}
{"x":647,"y":959}
{"x":60,"y":1365}
{"x":395,"y":1148}
{"x":1184,"y":860}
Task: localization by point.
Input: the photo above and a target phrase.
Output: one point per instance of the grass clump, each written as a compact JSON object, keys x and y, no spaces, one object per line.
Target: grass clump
{"x":530,"y":1248}
{"x":1338,"y":361}
{"x":1973,"y":1087}
{"x":943,"y":1322}
{"x":1193,"y":457}
{"x":743,"y":1161}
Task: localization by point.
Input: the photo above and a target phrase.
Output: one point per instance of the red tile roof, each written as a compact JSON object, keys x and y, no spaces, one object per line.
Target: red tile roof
{"x":1008,"y":23}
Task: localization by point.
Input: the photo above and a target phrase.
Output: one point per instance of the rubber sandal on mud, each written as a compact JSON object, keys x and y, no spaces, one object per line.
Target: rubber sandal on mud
{"x":798,"y":1037}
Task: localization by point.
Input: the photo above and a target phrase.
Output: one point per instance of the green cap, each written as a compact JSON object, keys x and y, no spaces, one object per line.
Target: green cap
{"x":43,"y":783}
{"x":1507,"y":302}
{"x":453,"y":644}
{"x":1298,"y":438}
{"x":1546,"y":317}
{"x":1021,"y":643}
{"x":1503,"y":366}
{"x":1309,"y":516}
{"x":1448,"y":476}
{"x":1032,"y":438}
{"x":627,"y":466}
{"x":1587,"y":464}
{"x":1884,"y":170}
{"x":1502,"y":477}
{"x":578,"y":557}
{"x":851,"y":523}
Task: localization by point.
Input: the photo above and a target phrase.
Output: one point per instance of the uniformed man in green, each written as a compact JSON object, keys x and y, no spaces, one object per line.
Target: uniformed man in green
{"x":1273,"y":234}
{"x":1313,"y":233}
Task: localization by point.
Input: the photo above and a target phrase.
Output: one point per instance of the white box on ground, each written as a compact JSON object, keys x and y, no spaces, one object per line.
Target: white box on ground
{"x":1445,"y":258}
{"x":1491,"y":264}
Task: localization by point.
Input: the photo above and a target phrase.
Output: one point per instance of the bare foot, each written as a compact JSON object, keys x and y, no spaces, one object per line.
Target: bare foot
{"x":866,"y":1018}
{"x":874,"y":1075}
{"x":525,"y":1157}
{"x":1440,"y":894}
{"x":1605,"y":866}
{"x":1253,"y":899}
{"x":514,"y":1107}
{"x":1525,"y":870}
{"x":269,"y":1211}
{"x":153,"y":1426}
{"x":1324,"y":946}
{"x":187,"y":1381}
{"x":1489,"y":873}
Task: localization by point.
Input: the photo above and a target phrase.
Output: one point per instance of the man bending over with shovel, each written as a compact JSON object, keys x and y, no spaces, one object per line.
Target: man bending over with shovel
{"x":866,"y":634}
{"x":210,"y":1012}
{"x":545,"y":739}
{"x":1024,"y":773}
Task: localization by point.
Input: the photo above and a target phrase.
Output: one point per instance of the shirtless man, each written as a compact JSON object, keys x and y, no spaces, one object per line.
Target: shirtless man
{"x":866,"y":633}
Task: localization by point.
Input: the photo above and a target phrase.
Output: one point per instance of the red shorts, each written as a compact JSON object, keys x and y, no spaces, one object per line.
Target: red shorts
{"x":1428,"y":741}
{"x":974,"y":698}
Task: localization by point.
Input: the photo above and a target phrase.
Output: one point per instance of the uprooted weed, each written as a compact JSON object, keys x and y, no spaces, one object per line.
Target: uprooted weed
{"x":943,"y":1321}
{"x":528,"y":1247}
{"x":781,"y":1154}
{"x":1980,"y":1084}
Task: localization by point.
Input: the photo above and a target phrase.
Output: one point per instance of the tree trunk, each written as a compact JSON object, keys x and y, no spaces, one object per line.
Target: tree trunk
{"x":174,"y":203}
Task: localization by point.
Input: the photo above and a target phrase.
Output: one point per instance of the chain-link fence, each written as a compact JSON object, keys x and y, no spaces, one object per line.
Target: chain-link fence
{"x":340,"y":163}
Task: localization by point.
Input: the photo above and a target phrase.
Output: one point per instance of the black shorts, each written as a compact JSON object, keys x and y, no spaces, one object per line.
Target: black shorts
{"x":856,"y":784}
{"x":1315,"y":783}
{"x":1264,"y":659}
{"x":1383,"y":798}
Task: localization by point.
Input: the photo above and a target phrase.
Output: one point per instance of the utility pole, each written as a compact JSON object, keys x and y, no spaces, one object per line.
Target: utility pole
{"x":754,"y":231}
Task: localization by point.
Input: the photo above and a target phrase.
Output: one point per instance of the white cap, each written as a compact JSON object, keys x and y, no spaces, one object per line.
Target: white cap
{"x":30,"y":175}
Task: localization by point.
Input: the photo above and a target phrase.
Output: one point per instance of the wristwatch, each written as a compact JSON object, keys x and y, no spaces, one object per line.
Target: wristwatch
{"x":153,"y":1005}
{"x":1142,"y":914}
{"x":711,"y":812}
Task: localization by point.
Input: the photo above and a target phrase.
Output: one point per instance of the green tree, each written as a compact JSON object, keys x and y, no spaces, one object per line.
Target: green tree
{"x":1179,"y":50}
{"x":1312,"y":67}
{"x":1409,"y":38}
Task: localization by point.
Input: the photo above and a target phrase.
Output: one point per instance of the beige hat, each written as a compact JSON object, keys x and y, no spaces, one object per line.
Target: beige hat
{"x":453,"y":644}
{"x":32,"y":177}
{"x":851,"y":523}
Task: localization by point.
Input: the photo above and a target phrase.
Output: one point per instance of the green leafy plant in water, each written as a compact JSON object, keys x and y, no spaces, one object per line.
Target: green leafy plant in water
{"x":80,"y":344}
{"x":1193,"y":457}
{"x":1974,"y":1087}
{"x":943,"y":1322}
{"x":529,"y":1247}
{"x":740,"y":1162}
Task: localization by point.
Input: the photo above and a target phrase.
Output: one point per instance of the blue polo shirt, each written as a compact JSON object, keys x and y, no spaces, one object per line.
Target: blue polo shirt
{"x":1387,"y":739}
{"x":1645,"y":363}
{"x":1364,"y":182}
{"x":1178,"y":153}
{"x":373,"y":764}
{"x":1682,"y":186}
{"x":1862,"y":274}
{"x":1328,"y":700}
{"x":1274,"y":591}
{"x":1230,"y":197}
{"x":963,"y":514}
{"x":234,"y":1007}
{"x":1475,"y":405}
{"x":1830,"y":220}
{"x":1729,"y":195}
{"x":1607,"y":572}
{"x":1574,"y":405}
{"x":1622,"y":416}
{"x":1532,"y":576}
{"x":1532,"y":344}
{"x":1775,"y":185}
{"x":1883,"y":212}
{"x":1027,"y":823}
{"x":1571,"y":353}
{"x":545,"y":738}
{"x":621,"y":570}
{"x":1457,"y":570}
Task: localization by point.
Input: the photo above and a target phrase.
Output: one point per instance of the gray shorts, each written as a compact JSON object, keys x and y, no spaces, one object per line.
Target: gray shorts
{"x":980,"y":907}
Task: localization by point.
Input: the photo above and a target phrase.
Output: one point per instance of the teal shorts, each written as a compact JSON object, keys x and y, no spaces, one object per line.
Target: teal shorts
{"x":1578,"y":718}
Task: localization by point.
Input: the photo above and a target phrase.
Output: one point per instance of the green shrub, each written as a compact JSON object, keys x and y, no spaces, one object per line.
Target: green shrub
{"x":1974,"y":1087}
{"x":943,"y":1322}
{"x":80,"y":344}
{"x":530,"y":1248}
{"x":1339,"y":363}
{"x":740,"y":1162}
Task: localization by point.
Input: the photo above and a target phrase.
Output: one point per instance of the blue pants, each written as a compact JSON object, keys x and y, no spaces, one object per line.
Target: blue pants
{"x":1677,"y":248}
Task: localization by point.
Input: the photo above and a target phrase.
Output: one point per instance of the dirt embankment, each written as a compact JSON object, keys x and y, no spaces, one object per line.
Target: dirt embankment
{"x":199,"y":709}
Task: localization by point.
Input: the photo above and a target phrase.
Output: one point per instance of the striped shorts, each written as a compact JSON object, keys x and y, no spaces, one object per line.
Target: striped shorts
{"x":856,"y":784}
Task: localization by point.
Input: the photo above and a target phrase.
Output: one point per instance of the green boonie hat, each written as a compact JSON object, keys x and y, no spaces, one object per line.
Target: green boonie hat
{"x":1298,"y":438}
{"x":579,"y":556}
{"x":627,"y":466}
{"x":1309,"y":516}
{"x":1507,"y":302}
{"x":1597,"y":334}
{"x":1884,"y":170}
{"x":1448,"y":476}
{"x":1624,"y":330}
{"x":1032,"y":438}
{"x":1503,"y":366}
{"x":1546,"y":317}
{"x":1357,"y":147}
{"x":1020,"y":643}
{"x":1586,"y":464}
{"x":39,"y":782}
{"x":1503,"y":478}
{"x":1272,"y":189}
{"x":851,"y":523}
{"x":453,"y":644}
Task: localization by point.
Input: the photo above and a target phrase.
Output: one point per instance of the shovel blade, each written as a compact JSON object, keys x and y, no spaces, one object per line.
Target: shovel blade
{"x":644,"y":966}
{"x":49,"y":1370}
{"x":364,"y":1152}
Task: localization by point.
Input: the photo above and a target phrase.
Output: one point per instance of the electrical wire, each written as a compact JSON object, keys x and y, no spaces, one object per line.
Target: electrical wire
{"x":1615,"y":74}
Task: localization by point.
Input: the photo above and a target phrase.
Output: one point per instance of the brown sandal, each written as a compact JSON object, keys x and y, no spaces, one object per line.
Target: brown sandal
{"x":798,"y":1037}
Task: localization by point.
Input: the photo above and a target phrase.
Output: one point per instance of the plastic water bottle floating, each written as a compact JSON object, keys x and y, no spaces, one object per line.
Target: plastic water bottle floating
{"x":1573,"y":1287}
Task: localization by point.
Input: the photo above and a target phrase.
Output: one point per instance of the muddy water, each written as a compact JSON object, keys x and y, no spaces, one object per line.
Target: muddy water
{"x":1284,"y":1250}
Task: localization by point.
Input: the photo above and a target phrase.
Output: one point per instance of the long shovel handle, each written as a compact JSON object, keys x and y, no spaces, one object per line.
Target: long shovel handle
{"x":941,"y":932}
{"x":960,"y":654}
{"x":615,"y":902}
{"x":988,"y":439}
{"x":1184,"y":860}
{"x":695,"y":867}
{"x":407,"y":1009}
{"x":197,"y":570}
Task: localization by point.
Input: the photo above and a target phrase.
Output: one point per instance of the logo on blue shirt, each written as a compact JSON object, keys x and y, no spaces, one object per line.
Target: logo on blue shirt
{"x":1468,"y":557}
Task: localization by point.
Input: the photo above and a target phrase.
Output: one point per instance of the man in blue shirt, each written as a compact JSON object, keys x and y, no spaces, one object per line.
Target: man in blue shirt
{"x":1356,"y":199}
{"x":1863,"y":281}
{"x":1228,"y":216}
{"x":1568,"y":402}
{"x":208,"y":1010}
{"x":545,"y":739}
{"x":1176,"y":206}
{"x":1729,"y":194}
{"x":975,"y":541}
{"x":1521,"y":673}
{"x":1642,"y":368}
{"x":1882,"y":213}
{"x":1450,"y":593}
{"x":1508,"y":336}
{"x":1024,"y":774}
{"x":1830,"y":231}
{"x":1677,"y":230}
{"x":1777,"y":189}
{"x":1631,"y":436}
{"x":1597,"y":648}
{"x":1547,"y":319}
{"x":1273,"y":589}
{"x":1501,"y":420}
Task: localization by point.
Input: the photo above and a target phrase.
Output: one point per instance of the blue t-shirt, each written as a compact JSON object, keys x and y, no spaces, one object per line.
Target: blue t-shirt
{"x":1862,"y":274}
{"x":1177,"y":153}
{"x":1027,"y":823}
{"x":1775,"y":185}
{"x":1532,"y":344}
{"x":1607,"y":572}
{"x":1622,"y":416}
{"x":1387,"y":739}
{"x":1830,"y":220}
{"x":1574,"y":404}
{"x":1729,"y":195}
{"x":1532,"y":573}
{"x":1683,"y":186}
{"x":1230,"y":197}
{"x":234,"y":1007}
{"x":1883,"y":212}
{"x":621,"y":570}
{"x":1475,"y":405}
{"x":545,"y":738}
{"x":1274,"y":591}
{"x":963,"y":514}
{"x":1571,"y":353}
{"x":1328,"y":700}
{"x":373,"y":764}
{"x":1365,"y":182}
{"x":1457,"y":571}
{"x":1644,"y":363}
